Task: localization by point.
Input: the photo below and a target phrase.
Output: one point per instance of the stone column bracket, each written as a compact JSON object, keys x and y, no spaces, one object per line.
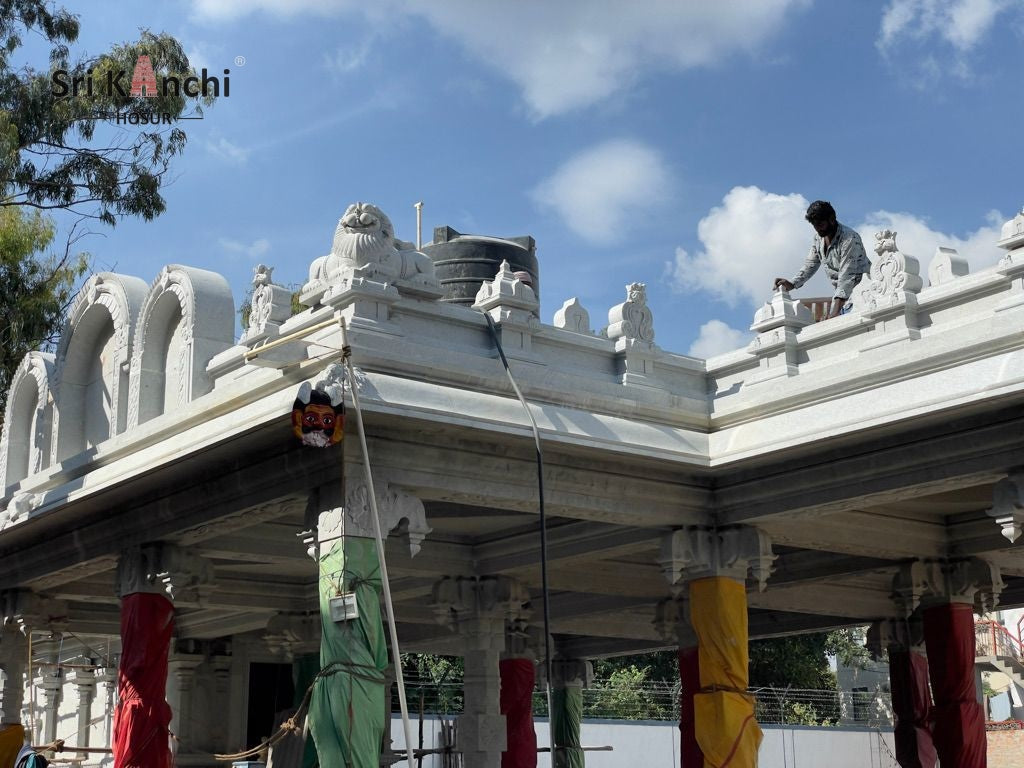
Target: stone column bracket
{"x":895,"y":634}
{"x":697,"y":553}
{"x":26,"y":610}
{"x":777,"y":325}
{"x":480,"y":606}
{"x":164,"y":569}
{"x":924,"y":583}
{"x":293,"y":634}
{"x":672,"y":621}
{"x":1008,"y":505}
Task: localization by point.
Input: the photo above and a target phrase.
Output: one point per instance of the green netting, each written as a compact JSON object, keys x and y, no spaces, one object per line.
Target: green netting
{"x":346,"y":713}
{"x":566,"y":717}
{"x":304,"y":669}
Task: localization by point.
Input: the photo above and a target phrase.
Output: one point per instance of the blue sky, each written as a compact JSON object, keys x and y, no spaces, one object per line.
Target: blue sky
{"x":670,"y":142}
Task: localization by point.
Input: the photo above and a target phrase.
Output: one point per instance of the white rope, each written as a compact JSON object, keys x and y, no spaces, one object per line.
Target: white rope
{"x":399,"y":679}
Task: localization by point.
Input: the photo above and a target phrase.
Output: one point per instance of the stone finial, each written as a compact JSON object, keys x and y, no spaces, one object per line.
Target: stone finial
{"x":1012,"y":233}
{"x":506,"y":291}
{"x":163,"y":569}
{"x":572,"y":317}
{"x":632,"y":319}
{"x":946,"y":265}
{"x":933,"y":582}
{"x":894,"y":276}
{"x":672,"y":620}
{"x":696,"y":553}
{"x":1008,"y":505}
{"x":781,"y":312}
{"x":269,"y":306}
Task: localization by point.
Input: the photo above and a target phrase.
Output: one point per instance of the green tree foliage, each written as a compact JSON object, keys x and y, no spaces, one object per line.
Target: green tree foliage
{"x":51,"y":156}
{"x":35,"y":288}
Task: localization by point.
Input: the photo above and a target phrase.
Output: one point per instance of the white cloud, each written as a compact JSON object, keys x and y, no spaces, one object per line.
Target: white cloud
{"x":604,"y":191}
{"x":755,"y":236}
{"x":911,"y":28}
{"x":716,"y":338}
{"x":569,"y":54}
{"x":227,"y":150}
{"x":347,"y":59}
{"x":253,"y":251}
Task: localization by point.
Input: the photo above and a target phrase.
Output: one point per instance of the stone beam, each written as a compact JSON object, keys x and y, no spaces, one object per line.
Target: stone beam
{"x":859,"y":533}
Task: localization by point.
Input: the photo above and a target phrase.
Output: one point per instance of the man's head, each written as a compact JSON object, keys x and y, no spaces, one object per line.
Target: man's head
{"x":822,"y":216}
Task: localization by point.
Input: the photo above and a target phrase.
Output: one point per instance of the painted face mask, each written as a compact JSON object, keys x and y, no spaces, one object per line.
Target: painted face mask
{"x":318,"y":416}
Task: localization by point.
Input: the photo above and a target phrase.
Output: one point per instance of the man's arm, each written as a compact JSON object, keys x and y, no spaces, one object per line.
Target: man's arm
{"x":810,"y":266}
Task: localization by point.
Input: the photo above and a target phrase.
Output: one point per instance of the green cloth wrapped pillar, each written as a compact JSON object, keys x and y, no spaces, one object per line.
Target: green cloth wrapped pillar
{"x":304,"y":669}
{"x":346,"y":713}
{"x":566,"y":719}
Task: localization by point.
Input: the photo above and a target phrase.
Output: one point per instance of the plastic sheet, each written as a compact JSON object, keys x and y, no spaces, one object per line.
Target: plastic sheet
{"x":911,"y":704}
{"x":566,"y":719}
{"x":143,"y":716}
{"x":726,"y":730}
{"x":517,"y":678}
{"x":346,"y":713}
{"x":959,"y":720}
{"x":689,"y":683}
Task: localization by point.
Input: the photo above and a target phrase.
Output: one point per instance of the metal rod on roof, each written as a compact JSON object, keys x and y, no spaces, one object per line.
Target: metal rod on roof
{"x":419,"y":224}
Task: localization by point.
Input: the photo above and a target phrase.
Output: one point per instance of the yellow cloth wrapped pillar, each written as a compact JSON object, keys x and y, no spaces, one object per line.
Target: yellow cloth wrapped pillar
{"x":725,"y":727}
{"x":12,"y":739}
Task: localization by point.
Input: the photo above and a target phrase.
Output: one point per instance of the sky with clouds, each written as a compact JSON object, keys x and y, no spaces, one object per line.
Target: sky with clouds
{"x":671,"y":142}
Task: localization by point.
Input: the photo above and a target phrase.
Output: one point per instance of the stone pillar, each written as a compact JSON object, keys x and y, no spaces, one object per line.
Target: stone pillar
{"x":13,"y":659}
{"x":51,"y":682}
{"x":181,"y":666}
{"x":903,"y":639}
{"x":148,"y":579}
{"x":570,"y":677}
{"x":672,"y":621}
{"x":85,"y":685}
{"x":714,"y":562}
{"x":478,"y":609}
{"x":108,"y":676}
{"x":948,"y":592}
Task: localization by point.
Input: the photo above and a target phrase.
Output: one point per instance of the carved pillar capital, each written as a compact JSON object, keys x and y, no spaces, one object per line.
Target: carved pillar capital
{"x":293,"y":634}
{"x":570,"y":673}
{"x":164,"y":569}
{"x":1008,"y":504}
{"x":697,"y":552}
{"x":971,"y":580}
{"x":672,"y":621}
{"x":480,"y":606}
{"x":25,"y":610}
{"x":895,"y":635}
{"x":523,"y":640}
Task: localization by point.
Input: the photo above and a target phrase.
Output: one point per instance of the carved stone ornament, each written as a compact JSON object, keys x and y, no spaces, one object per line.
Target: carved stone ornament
{"x":25,"y":611}
{"x":494,"y":599}
{"x":573,"y":317}
{"x":19,"y":508}
{"x":365,"y":247}
{"x":632,"y":319}
{"x":269,"y":306}
{"x":933,"y":582}
{"x":672,"y":620}
{"x":1008,"y":505}
{"x":697,"y":552}
{"x":894,"y":276}
{"x":163,"y":569}
{"x":946,"y":265}
{"x":506,"y":291}
{"x":895,"y":634}
{"x":1012,"y":233}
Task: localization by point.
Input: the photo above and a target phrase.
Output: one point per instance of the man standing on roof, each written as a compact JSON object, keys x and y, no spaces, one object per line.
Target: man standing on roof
{"x":840,"y":249}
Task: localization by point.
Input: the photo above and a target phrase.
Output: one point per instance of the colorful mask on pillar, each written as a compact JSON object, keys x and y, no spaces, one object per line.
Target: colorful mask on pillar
{"x":318,"y":415}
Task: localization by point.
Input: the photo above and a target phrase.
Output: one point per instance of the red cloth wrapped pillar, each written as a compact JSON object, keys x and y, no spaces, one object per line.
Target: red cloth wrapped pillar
{"x":911,"y":704}
{"x":143,"y":716}
{"x":690,"y":755}
{"x":517,"y":676}
{"x":959,"y":721}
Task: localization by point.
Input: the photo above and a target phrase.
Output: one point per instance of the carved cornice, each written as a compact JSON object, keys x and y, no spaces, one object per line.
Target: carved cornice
{"x":163,"y":569}
{"x":924,"y":583}
{"x":697,"y":552}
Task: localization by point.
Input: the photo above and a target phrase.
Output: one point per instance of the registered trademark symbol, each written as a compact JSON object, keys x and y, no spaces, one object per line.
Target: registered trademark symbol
{"x":239,"y":61}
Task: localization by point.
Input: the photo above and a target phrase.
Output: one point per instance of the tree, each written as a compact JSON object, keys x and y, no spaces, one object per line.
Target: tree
{"x":35,"y":288}
{"x":48,"y":156}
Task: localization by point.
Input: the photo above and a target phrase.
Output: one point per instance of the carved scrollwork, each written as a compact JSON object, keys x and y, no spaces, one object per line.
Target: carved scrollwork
{"x":632,"y":319}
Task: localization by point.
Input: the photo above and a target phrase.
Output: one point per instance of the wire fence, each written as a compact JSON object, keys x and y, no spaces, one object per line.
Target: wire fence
{"x":660,"y":701}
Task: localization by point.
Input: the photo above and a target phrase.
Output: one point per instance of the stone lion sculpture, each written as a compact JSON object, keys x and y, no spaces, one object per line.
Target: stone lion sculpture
{"x":364,"y":245}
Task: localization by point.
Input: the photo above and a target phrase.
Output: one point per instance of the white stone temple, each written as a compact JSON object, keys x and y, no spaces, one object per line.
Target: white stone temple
{"x":850,"y":471}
